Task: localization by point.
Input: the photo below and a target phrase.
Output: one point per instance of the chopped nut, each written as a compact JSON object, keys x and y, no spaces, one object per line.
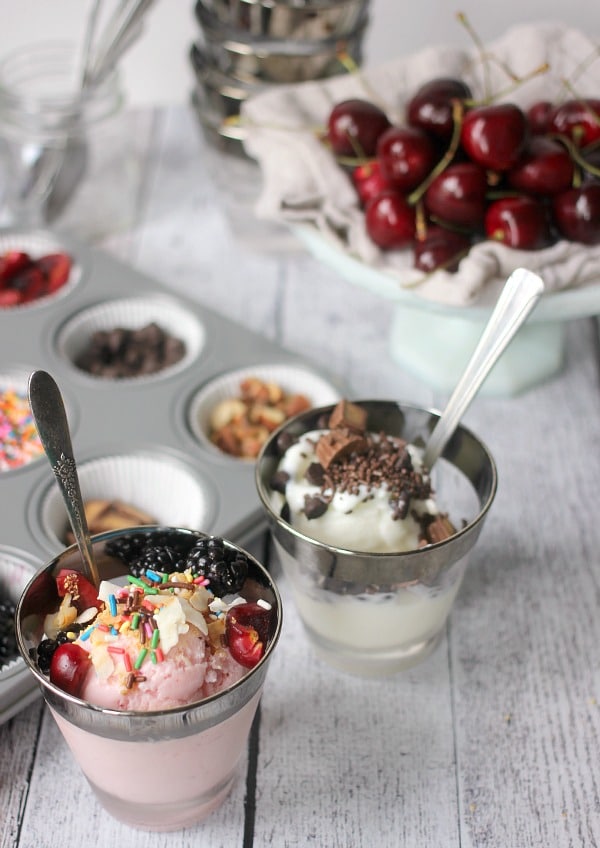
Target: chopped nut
{"x":239,"y":426}
{"x":348,"y":415}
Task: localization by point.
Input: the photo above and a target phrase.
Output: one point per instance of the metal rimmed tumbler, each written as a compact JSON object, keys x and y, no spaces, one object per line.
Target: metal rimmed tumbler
{"x":374,"y":614}
{"x":192,"y":752}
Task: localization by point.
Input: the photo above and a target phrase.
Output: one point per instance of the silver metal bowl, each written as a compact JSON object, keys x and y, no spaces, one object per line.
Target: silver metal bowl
{"x":290,"y":20}
{"x":280,"y":63}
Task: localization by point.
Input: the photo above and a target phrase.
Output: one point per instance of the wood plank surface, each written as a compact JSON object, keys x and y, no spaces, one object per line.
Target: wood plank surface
{"x":494,"y":741}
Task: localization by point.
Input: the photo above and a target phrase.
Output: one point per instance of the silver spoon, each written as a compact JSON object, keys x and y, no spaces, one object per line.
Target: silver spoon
{"x":53,"y":429}
{"x":520,"y":294}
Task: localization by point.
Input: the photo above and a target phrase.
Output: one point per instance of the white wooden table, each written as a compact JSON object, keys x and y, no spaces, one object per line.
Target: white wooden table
{"x":494,"y":741}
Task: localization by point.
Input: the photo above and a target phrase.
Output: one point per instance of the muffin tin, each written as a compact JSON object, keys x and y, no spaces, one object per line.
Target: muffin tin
{"x":139,"y":439}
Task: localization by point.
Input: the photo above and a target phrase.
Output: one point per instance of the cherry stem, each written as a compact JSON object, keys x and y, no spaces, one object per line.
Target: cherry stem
{"x":577,"y":156}
{"x":464,"y":21}
{"x":457,"y":115}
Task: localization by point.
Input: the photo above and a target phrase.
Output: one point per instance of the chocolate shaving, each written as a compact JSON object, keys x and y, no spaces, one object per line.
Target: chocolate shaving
{"x":314,"y":506}
{"x":279,"y":481}
{"x":315,"y":474}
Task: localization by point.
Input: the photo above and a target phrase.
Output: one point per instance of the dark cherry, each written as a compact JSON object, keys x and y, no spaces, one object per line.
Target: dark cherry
{"x":577,"y":213}
{"x":354,"y":126}
{"x":69,"y":667}
{"x":545,"y":168}
{"x":538,"y":115}
{"x":519,"y":222}
{"x":390,"y":220}
{"x":458,"y":195}
{"x":369,"y":181}
{"x":440,"y":248}
{"x":430,"y":109}
{"x":247,"y":628}
{"x":577,"y":119}
{"x":406,"y":155}
{"x":495,"y":136}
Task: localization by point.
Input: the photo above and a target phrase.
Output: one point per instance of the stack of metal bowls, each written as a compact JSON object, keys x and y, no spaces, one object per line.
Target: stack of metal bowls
{"x":244,"y":46}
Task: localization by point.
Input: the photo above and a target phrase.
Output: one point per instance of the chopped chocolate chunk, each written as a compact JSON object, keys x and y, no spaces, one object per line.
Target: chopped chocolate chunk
{"x":315,"y":474}
{"x":349,"y":416}
{"x":314,"y":506}
{"x":338,"y":444}
{"x":284,"y":441}
{"x":279,"y":481}
{"x":438,"y":529}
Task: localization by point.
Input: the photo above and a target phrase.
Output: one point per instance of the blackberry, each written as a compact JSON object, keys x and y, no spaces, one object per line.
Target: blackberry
{"x":8,"y":636}
{"x":46,"y":649}
{"x":224,"y":568}
{"x":128,"y":547}
{"x":157,"y":558}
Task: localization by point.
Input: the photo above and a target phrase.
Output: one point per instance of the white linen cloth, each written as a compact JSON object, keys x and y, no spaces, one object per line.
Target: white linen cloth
{"x":302,"y":183}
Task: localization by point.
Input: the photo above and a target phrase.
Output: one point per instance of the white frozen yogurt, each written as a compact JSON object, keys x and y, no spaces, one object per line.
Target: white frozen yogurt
{"x":363,"y":521}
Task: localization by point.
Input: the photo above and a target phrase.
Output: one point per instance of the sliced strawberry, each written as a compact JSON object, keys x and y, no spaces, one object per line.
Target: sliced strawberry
{"x":69,"y":667}
{"x":56,"y":268}
{"x":11,"y":263}
{"x":83,"y":593}
{"x":247,"y":631}
{"x":9,"y":297}
{"x":32,"y":284}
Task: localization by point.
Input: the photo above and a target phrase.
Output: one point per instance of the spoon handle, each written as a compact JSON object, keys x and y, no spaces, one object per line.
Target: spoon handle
{"x":53,"y":429}
{"x":518,"y":297}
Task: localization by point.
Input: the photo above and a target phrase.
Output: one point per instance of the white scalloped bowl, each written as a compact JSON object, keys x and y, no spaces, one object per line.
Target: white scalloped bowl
{"x":291,"y":378}
{"x":133,"y":313}
{"x":160,"y":485}
{"x":17,"y":685}
{"x":38,"y":244}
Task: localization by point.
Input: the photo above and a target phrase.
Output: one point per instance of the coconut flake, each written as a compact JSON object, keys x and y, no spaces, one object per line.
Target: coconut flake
{"x":102,"y":662}
{"x":170,"y":620}
{"x":193,"y":616}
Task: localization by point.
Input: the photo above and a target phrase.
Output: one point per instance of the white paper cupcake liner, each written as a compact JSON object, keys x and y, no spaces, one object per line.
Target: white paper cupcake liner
{"x":16,"y":570}
{"x":37,"y":245}
{"x":17,"y":381}
{"x":293,"y":379}
{"x":133,"y":313}
{"x":158,"y":485}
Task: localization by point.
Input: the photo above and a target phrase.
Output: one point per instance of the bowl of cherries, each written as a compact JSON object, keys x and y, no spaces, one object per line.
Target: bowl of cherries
{"x":452,"y":184}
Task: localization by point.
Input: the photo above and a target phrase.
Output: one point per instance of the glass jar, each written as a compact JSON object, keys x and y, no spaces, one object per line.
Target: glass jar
{"x":51,"y":133}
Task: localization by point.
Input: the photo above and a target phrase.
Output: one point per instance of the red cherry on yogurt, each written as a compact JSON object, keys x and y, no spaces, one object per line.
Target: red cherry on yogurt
{"x":354,"y":126}
{"x":69,"y":667}
{"x":390,"y":220}
{"x":495,"y":136}
{"x":406,"y":155}
{"x":518,"y":222}
{"x":247,"y":632}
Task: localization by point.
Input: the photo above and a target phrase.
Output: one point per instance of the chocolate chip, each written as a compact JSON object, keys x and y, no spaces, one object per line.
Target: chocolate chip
{"x":314,"y":506}
{"x":284,"y":441}
{"x":315,"y":474}
{"x":279,"y":481}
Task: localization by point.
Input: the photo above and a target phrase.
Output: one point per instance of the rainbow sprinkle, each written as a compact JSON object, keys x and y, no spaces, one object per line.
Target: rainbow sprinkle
{"x":19,"y":440}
